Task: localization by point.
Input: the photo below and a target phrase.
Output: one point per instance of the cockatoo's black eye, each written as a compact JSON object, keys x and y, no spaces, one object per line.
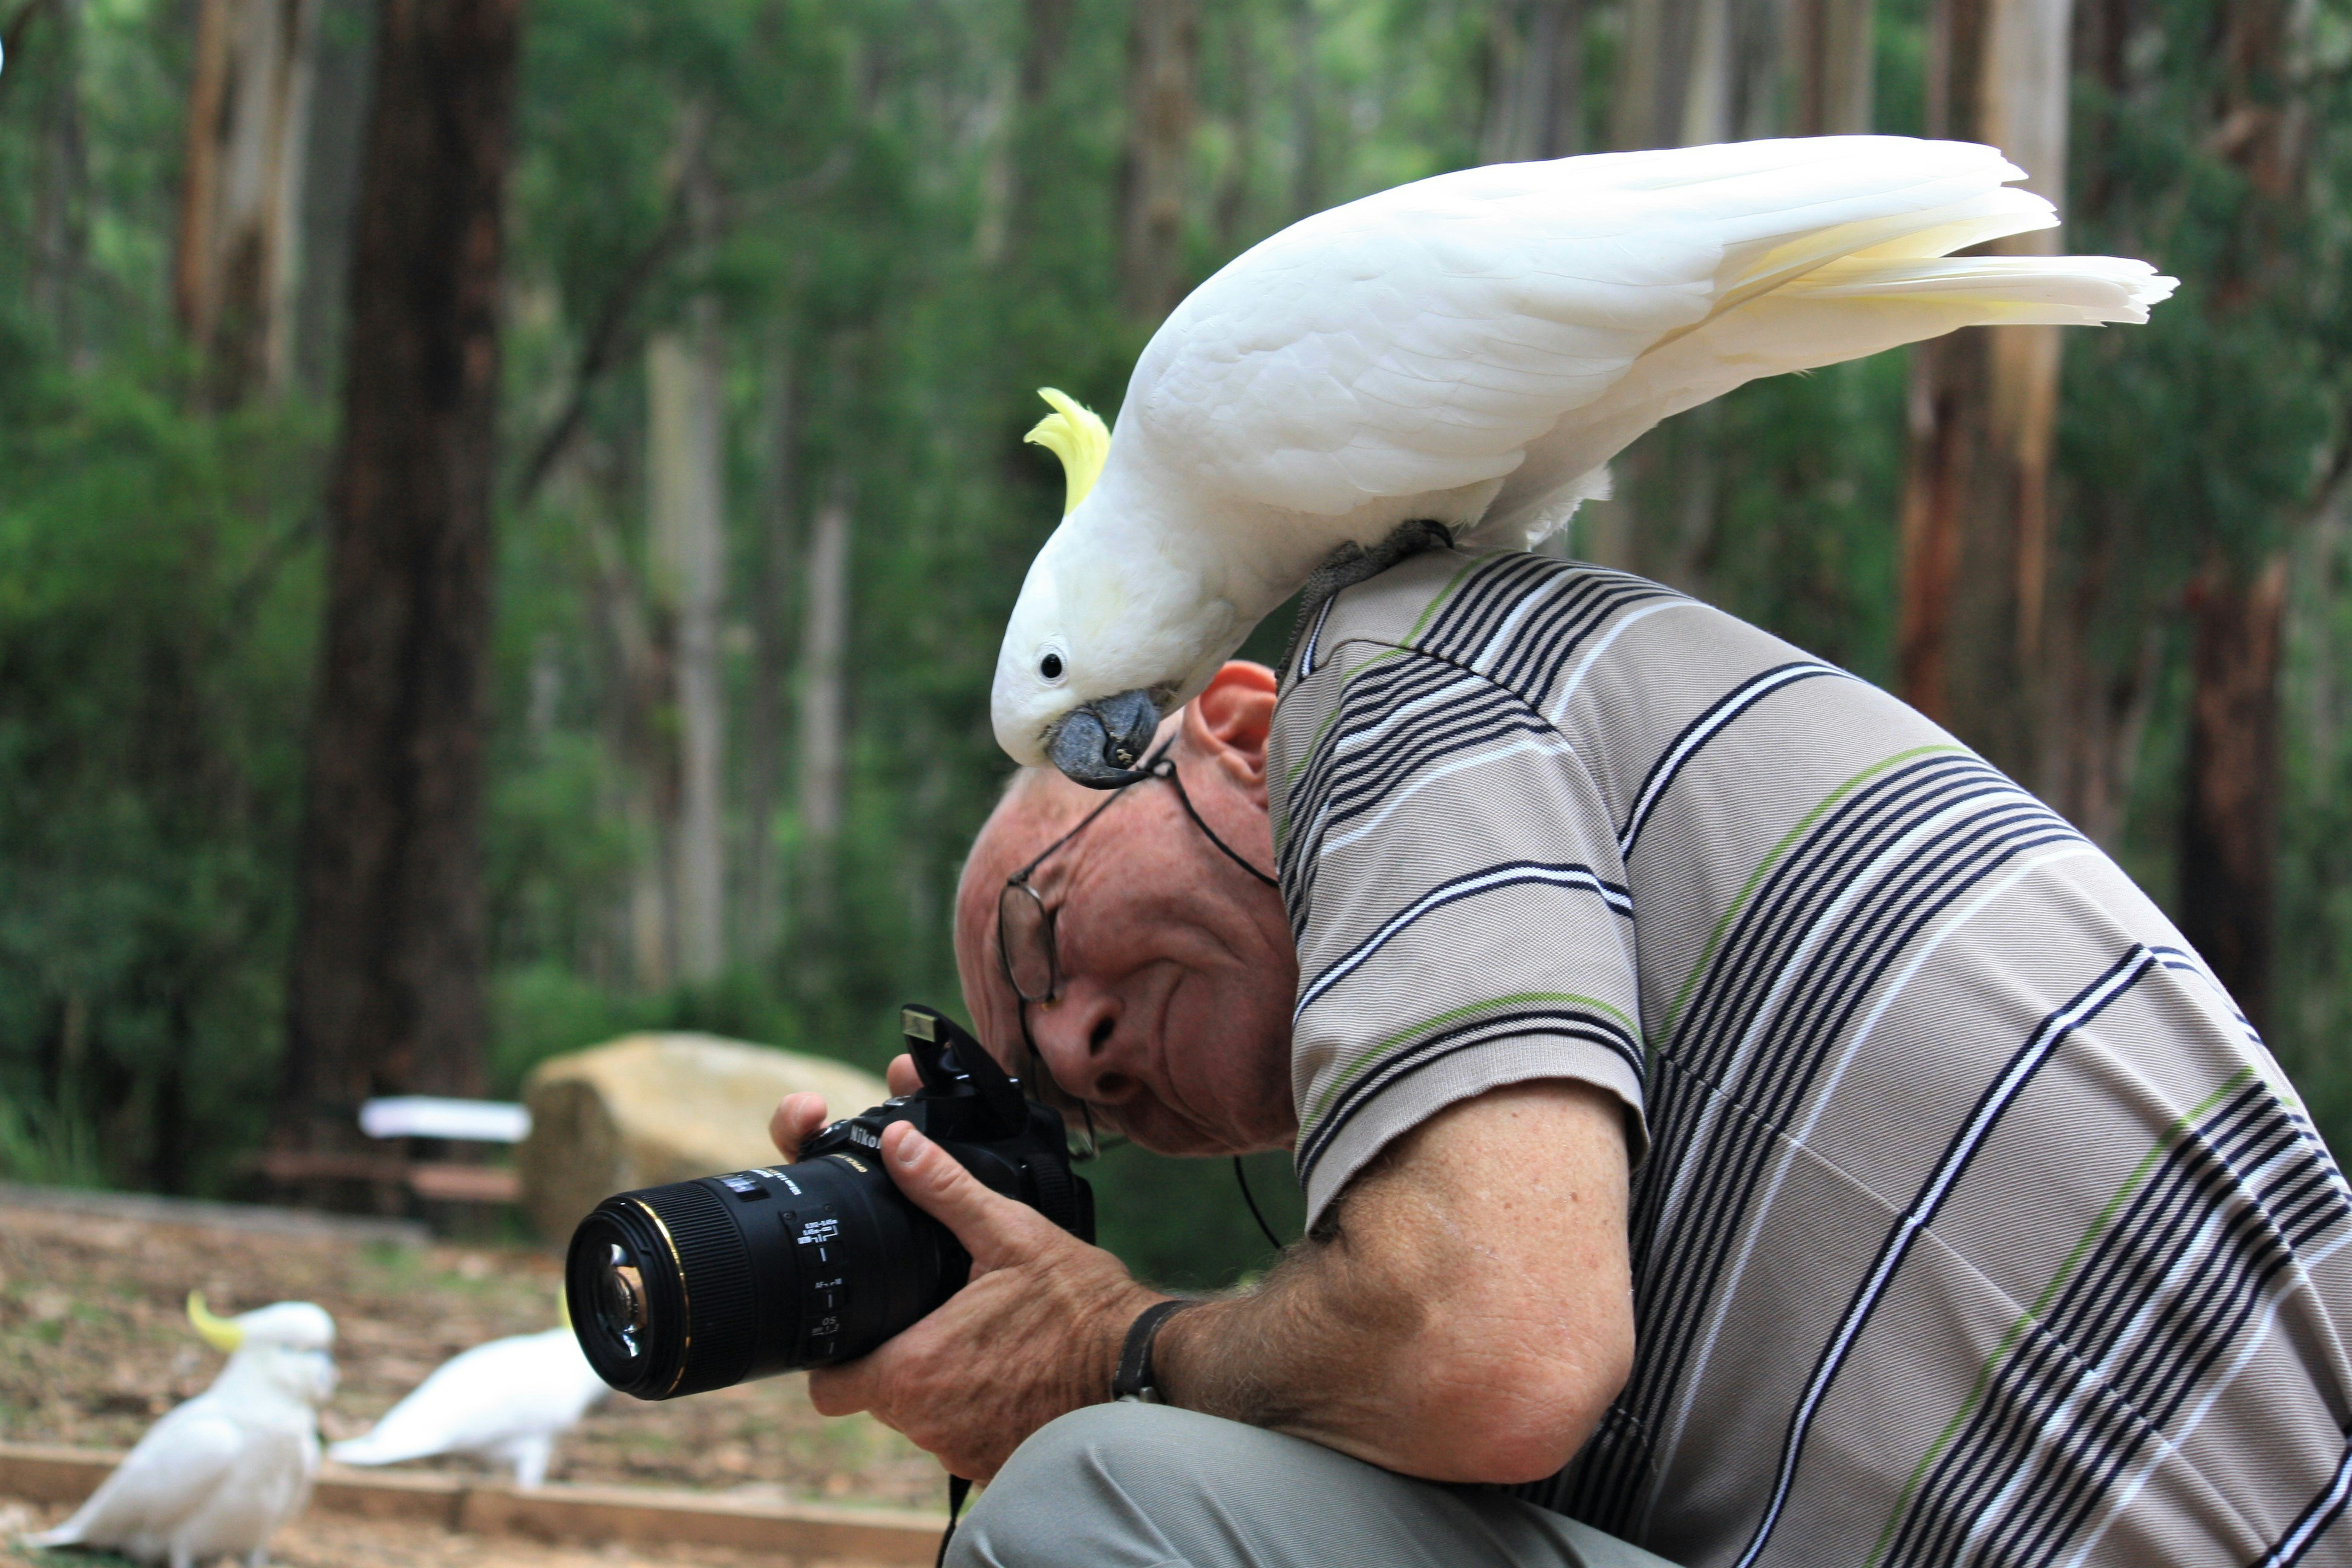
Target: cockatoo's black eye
{"x":1050,"y":667}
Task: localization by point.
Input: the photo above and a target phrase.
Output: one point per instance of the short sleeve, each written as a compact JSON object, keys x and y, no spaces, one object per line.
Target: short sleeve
{"x":1460,"y":910}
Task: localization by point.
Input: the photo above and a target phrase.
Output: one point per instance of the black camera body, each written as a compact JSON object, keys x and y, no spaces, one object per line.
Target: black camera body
{"x":693,"y":1286}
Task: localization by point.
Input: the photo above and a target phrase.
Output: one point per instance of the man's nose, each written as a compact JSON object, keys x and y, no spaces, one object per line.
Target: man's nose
{"x":1079,"y":1037}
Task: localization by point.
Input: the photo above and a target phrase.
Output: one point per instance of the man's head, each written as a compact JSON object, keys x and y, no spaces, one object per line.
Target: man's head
{"x":1173,"y":1016}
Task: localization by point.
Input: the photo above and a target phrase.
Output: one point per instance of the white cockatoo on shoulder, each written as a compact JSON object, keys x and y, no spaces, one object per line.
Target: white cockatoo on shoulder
{"x":506,"y":1401}
{"x":1466,"y":354}
{"x":218,"y":1474}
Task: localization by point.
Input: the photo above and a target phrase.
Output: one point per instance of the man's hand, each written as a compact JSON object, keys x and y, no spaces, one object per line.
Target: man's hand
{"x":1036,"y":1335}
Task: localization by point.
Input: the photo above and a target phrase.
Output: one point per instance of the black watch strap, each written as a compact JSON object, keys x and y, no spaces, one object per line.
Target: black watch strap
{"x":1135,"y":1378}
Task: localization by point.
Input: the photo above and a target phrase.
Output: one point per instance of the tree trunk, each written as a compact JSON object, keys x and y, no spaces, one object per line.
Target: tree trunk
{"x":2099,"y":707}
{"x":1306,"y":113}
{"x":1241,"y":124}
{"x":2229,"y":838}
{"x":823,"y":709}
{"x":1677,"y":85}
{"x":633,"y":717}
{"x":1976,"y":502}
{"x":1674,"y":71}
{"x":342,"y":48}
{"x":1830,"y":56}
{"x":759,"y":918}
{"x":2229,"y":829}
{"x":386,"y":993}
{"x":1163,"y":62}
{"x":1535,"y":104}
{"x":686,"y":511}
{"x":60,"y":205}
{"x":232,"y":279}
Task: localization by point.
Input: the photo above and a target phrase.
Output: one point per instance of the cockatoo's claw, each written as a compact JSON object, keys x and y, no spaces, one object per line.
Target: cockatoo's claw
{"x":1102,"y":745}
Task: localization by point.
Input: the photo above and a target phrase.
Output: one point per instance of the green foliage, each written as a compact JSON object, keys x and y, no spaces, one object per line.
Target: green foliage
{"x":2219,"y":435}
{"x":913,"y":205}
{"x":157,"y":601}
{"x":41,"y":1144}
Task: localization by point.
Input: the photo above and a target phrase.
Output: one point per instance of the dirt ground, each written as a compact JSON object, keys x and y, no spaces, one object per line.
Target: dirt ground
{"x":95,"y":1344}
{"x":325,"y":1540}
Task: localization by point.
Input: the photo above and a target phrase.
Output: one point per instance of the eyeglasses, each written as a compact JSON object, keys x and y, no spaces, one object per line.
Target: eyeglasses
{"x":1027,"y":950}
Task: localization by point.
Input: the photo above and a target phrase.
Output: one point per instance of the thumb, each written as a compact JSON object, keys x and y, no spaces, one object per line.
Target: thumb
{"x":994,"y":1228}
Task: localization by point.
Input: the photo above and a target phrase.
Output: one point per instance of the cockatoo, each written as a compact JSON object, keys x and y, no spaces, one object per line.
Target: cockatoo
{"x":217,"y":1476}
{"x":1465,"y":354}
{"x":507,"y":1401}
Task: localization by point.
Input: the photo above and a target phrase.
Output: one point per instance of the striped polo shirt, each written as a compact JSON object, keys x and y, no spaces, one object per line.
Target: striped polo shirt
{"x":1969,"y":1222}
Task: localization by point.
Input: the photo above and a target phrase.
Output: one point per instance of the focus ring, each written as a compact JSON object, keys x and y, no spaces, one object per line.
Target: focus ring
{"x":718,"y":1281}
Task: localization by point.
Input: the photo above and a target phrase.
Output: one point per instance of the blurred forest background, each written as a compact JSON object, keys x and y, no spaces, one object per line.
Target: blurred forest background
{"x":679,"y":680}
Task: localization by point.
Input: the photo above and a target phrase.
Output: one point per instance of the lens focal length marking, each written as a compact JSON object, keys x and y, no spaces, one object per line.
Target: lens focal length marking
{"x":824,"y":1292}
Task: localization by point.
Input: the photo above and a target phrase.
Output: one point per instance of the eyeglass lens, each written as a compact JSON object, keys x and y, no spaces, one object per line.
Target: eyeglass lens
{"x":1024,"y":932}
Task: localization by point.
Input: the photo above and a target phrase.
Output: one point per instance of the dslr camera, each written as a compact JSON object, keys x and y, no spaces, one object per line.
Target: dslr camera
{"x":681,"y":1288}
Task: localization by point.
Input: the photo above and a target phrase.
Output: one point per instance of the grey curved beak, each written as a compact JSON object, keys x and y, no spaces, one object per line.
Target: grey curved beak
{"x":1102,"y":745}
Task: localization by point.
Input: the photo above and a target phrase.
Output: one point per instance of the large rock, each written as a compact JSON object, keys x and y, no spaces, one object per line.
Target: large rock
{"x":648,"y":1108}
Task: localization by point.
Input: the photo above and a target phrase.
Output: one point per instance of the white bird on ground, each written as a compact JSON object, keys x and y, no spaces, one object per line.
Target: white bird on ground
{"x":1458,"y":360}
{"x":217,"y":1475}
{"x":507,"y":1401}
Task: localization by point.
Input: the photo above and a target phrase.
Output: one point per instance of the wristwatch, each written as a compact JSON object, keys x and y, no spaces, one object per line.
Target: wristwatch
{"x":1135,"y":1379}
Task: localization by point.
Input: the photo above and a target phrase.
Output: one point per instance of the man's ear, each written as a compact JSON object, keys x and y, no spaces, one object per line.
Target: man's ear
{"x":1228,"y":724}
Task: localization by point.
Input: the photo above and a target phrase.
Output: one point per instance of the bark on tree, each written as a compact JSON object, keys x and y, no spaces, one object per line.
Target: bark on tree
{"x":686,"y":511}
{"x":2229,"y":825}
{"x":759,"y":918}
{"x":1673,"y":74}
{"x":634,"y":719}
{"x":1163,"y":62}
{"x":2229,"y":838}
{"x":239,"y":241}
{"x":1535,"y":104}
{"x":1306,"y":113}
{"x":823,"y":709}
{"x":1831,"y":52}
{"x":1241,"y":121}
{"x":1681,"y":80}
{"x":1983,"y":414}
{"x":1008,"y":199}
{"x":387,"y":986}
{"x":342,"y":50}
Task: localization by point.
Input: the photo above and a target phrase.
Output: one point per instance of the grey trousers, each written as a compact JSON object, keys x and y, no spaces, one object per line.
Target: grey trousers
{"x":1145,"y":1485}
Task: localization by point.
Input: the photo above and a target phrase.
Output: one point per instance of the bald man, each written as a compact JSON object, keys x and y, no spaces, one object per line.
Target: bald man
{"x":1736,"y":1123}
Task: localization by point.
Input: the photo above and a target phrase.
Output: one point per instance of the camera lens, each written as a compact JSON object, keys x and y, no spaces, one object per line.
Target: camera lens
{"x":621,"y":1299}
{"x":700,"y":1284}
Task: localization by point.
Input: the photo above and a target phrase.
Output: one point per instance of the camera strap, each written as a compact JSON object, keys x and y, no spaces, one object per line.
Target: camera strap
{"x":959,"y":1488}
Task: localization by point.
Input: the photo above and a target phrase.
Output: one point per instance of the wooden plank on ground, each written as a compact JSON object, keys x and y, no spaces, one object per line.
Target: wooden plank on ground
{"x":150,"y":1209}
{"x":556,"y":1512}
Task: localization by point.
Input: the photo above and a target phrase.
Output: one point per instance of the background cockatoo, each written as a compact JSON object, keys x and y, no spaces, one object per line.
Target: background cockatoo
{"x":507,"y":1401}
{"x":1469,"y":351}
{"x":217,"y":1476}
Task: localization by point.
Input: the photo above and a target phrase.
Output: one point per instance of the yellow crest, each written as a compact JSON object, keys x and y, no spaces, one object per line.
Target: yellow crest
{"x":1076,"y":434}
{"x":218,"y":1332}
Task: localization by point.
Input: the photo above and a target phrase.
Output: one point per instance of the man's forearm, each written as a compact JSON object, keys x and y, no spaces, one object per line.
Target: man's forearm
{"x":1469,"y":1329}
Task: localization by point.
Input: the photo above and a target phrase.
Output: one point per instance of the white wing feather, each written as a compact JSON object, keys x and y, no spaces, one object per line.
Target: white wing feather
{"x":1443,"y":334}
{"x":176,"y":1468}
